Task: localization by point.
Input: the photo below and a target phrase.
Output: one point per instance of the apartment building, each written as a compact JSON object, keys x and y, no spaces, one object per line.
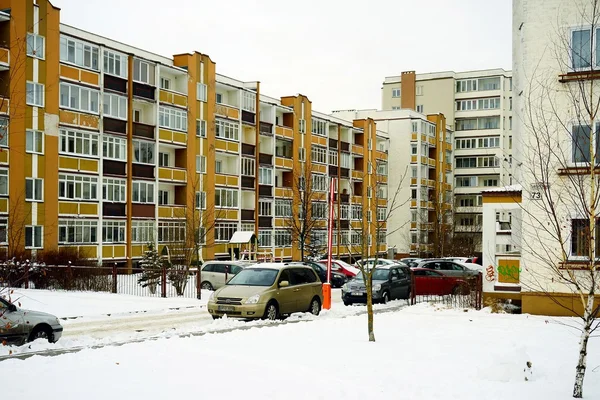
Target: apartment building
{"x":106,"y":148}
{"x":420,"y":188}
{"x":478,"y":105}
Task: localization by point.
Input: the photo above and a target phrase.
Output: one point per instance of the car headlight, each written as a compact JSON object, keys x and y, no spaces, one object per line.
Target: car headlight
{"x":376,"y":288}
{"x":213,"y":296}
{"x":253,"y":299}
{"x":345,"y":287}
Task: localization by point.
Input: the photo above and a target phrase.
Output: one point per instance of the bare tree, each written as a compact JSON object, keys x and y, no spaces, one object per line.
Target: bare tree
{"x":309,"y":207}
{"x":375,"y":228}
{"x":559,"y":167}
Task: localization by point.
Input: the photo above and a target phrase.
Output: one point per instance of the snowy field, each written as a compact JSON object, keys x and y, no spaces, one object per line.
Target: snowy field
{"x":421,"y":352}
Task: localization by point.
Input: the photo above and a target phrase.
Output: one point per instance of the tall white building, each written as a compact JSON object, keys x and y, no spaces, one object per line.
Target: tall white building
{"x":478,"y":105}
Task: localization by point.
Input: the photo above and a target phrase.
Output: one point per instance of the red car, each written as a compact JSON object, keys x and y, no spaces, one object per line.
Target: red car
{"x":342,"y":268}
{"x":428,"y":281}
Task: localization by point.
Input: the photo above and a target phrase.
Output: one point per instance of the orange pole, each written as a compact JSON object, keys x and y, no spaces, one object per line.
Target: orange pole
{"x":327,"y":285}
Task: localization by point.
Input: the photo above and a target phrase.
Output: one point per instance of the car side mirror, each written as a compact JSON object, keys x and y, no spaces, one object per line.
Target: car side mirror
{"x":284,"y":284}
{"x":12,"y":308}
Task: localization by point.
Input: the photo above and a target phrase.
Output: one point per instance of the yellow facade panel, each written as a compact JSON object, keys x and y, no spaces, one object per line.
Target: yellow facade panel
{"x":88,"y":251}
{"x":284,"y":131}
{"x":284,"y":192}
{"x":3,"y":156}
{"x":165,"y":135}
{"x":69,"y":72}
{"x":164,"y":173}
{"x":232,"y":180}
{"x":67,"y":163}
{"x":90,"y":77}
{"x":357,"y":174}
{"x":357,"y":149}
{"x":164,"y":212}
{"x":319,"y":168}
{"x":319,"y":140}
{"x":137,"y":250}
{"x":221,"y":144}
{"x":120,"y":251}
{"x":88,"y":165}
{"x":233,"y":147}
{"x":3,"y":206}
{"x":4,"y":105}
{"x":88,"y":208}
{"x":68,"y":208}
{"x":231,"y":214}
{"x":107,"y":251}
{"x":179,"y":137}
{"x":179,"y":175}
{"x":227,"y":111}
{"x":220,"y":180}
{"x":180,"y":100}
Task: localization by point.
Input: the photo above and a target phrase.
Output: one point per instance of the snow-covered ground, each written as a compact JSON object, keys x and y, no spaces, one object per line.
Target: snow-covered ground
{"x":421,"y":352}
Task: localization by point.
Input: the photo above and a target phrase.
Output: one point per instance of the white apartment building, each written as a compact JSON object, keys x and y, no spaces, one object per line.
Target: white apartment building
{"x":420,"y":178}
{"x":478,"y":105}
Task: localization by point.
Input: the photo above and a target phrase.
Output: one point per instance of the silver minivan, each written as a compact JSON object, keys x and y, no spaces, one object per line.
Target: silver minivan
{"x":18,"y":326}
{"x":215,"y":274}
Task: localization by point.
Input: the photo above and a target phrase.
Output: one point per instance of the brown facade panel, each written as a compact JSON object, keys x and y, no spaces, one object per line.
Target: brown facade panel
{"x":248,"y":149}
{"x":143,"y":171}
{"x":247,"y":215}
{"x":333,"y":170}
{"x":248,"y":117}
{"x":115,"y":84}
{"x":114,"y":125}
{"x":143,"y":130}
{"x":266,"y":128}
{"x":344,"y":146}
{"x":265,"y":222}
{"x":144,"y":91}
{"x":345,"y":172}
{"x":142,"y":210}
{"x":333,"y":143}
{"x":111,"y":167}
{"x":265,"y":191}
{"x":114,"y":209}
{"x":266,"y":159}
{"x":247,"y":182}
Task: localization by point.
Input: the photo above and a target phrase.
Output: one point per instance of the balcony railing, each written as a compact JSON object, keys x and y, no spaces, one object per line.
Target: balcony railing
{"x":247,"y":215}
{"x":143,"y":130}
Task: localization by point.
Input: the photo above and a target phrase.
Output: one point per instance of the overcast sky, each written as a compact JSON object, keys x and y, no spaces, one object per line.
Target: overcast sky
{"x":337,"y":52}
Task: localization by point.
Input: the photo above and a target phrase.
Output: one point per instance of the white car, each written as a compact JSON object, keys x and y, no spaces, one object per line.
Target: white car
{"x":215,"y":274}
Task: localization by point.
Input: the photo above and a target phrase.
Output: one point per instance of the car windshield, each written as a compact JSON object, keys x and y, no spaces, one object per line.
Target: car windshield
{"x":378,"y":275}
{"x":254,"y":277}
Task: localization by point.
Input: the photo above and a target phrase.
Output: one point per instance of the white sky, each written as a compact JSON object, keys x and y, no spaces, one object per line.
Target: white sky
{"x":337,"y":52}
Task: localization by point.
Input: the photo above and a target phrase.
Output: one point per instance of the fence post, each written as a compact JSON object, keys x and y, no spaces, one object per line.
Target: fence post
{"x":163,"y":286}
{"x":114,"y":278}
{"x":27,"y":276}
{"x":479,"y":296}
{"x":69,"y":276}
{"x":198,"y":285}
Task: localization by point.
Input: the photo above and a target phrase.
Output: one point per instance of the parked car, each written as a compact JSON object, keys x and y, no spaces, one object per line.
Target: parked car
{"x":390,"y":282}
{"x":447,"y":267}
{"x":342,"y":267}
{"x":337,"y":279}
{"x":431,"y":282}
{"x":18,"y":326}
{"x":215,"y":274}
{"x":371,"y":262}
{"x":411,"y":262}
{"x":469,"y":260}
{"x":268,"y":291}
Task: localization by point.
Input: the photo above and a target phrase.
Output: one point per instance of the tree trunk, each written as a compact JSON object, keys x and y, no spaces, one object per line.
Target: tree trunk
{"x":302,"y":249}
{"x":585,"y":336}
{"x":369,"y":286}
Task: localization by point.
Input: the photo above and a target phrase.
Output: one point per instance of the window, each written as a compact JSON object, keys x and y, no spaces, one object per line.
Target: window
{"x":77,"y":231}
{"x":344,"y":211}
{"x":355,"y":238}
{"x":302,"y":126}
{"x":369,"y":192}
{"x":283,"y":208}
{"x":301,"y":154}
{"x":510,"y":123}
{"x":115,"y":106}
{"x":163,"y":159}
{"x":35,"y":45}
{"x":318,"y":154}
{"x":141,"y":71}
{"x":356,"y":211}
{"x":381,"y":239}
{"x":489,"y":83}
{"x":581,"y":136}
{"x":490,"y":182}
{"x":34,"y":236}
{"x":319,"y":127}
{"x":265,"y":176}
{"x":171,"y":232}
{"x":79,"y":98}
{"x":396,"y":92}
{"x":35,"y":94}
{"x":142,"y":231}
{"x":114,"y":148}
{"x":163,"y":197}
{"x":249,"y":101}
{"x":420,"y":108}
{"x":114,"y":190}
{"x":143,"y":192}
{"x":283,"y":238}
{"x":79,"y":53}
{"x":115,"y":63}
{"x":478,"y":123}
{"x":34,"y":189}
{"x":333,"y":157}
{"x":466,"y":85}
{"x":201,"y":92}
{"x":466,"y":181}
{"x":3,"y":182}
{"x":419,"y":90}
{"x":143,"y":152}
{"x":3,"y":231}
{"x":218,"y":98}
{"x":165,"y":83}
{"x":172,"y":118}
{"x":381,"y":213}
{"x":4,"y":131}
{"x":201,"y":200}
{"x":264,"y":208}
{"x":78,"y":143}
{"x":487,"y":162}
{"x":345,"y":160}
{"x":201,"y":164}
{"x":248,"y":166}
{"x":77,"y":187}
{"x":319,"y":210}
{"x":34,"y":141}
{"x":582,"y":48}
{"x":227,"y":130}
{"x":224,"y":231}
{"x":382,"y":168}
{"x":201,"y":128}
{"x":319,"y":183}
{"x":396,"y":108}
{"x":510,"y":103}
{"x":226,"y":198}
{"x":488,"y":142}
{"x":265,"y":238}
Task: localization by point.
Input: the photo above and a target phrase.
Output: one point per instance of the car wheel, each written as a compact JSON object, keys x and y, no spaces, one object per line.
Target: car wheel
{"x":315,"y":306}
{"x":347,"y":303}
{"x":206,"y":286}
{"x":42,"y":332}
{"x":216,"y":317}
{"x":271,"y":312}
{"x":385,"y":297}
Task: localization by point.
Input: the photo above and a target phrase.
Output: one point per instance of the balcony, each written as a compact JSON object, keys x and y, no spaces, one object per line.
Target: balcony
{"x":266,"y":159}
{"x":266,"y":128}
{"x":171,"y":211}
{"x":247,"y":215}
{"x":143,"y":130}
{"x":174,"y":98}
{"x":174,"y":175}
{"x":284,"y":192}
{"x":248,"y":149}
{"x":283,"y":162}
{"x":248,"y":117}
{"x":144,"y":91}
{"x":284,"y":131}
{"x":115,"y":84}
{"x":358,"y":149}
{"x":227,"y":111}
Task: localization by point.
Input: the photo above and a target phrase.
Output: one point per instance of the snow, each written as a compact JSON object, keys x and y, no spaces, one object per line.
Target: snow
{"x":422,"y":352}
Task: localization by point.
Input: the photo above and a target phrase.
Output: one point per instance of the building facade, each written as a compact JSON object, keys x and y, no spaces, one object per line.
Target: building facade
{"x":420,"y":189}
{"x":106,"y":148}
{"x":478,"y":106}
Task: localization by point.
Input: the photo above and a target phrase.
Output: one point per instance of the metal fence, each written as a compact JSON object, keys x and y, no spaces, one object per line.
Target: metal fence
{"x":457,"y":292}
{"x":164,"y":282}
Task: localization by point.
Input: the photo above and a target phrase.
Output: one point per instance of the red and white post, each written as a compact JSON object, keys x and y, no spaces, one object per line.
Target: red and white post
{"x":327,"y":285}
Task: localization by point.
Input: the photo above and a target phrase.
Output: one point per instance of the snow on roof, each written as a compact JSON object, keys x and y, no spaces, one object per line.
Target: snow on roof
{"x":509,"y":188}
{"x":240,"y":237}
{"x":270,"y":265}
